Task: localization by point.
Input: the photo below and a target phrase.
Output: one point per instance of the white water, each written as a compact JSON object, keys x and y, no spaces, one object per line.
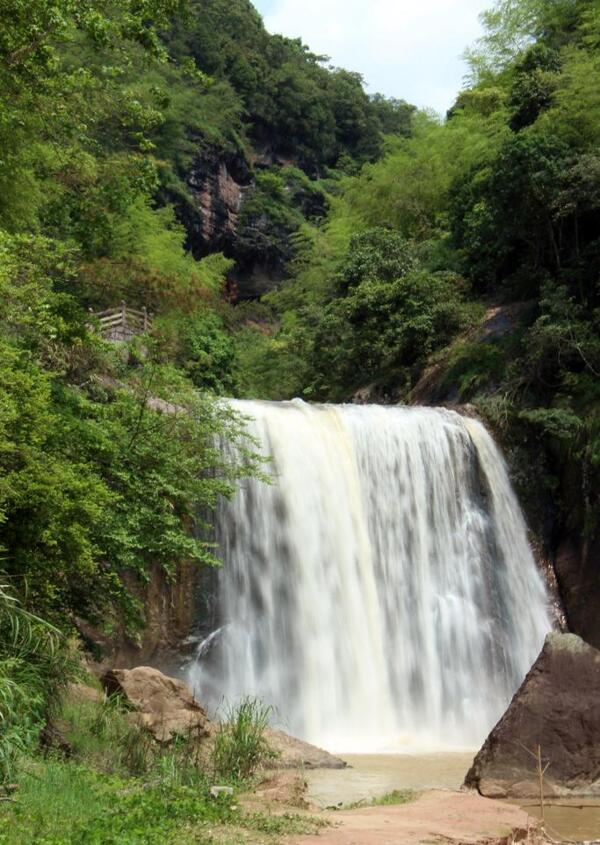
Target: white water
{"x":381,"y":594}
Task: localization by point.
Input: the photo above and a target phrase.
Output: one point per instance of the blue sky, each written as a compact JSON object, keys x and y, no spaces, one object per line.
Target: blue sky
{"x":404,"y":48}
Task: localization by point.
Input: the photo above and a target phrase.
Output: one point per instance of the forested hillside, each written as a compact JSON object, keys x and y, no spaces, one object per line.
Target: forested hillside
{"x":152,"y":153}
{"x":471,"y":251}
{"x":289,"y":236}
{"x":109,"y":111}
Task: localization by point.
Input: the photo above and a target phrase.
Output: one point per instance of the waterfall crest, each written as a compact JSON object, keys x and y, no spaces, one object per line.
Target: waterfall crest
{"x":381,"y":593}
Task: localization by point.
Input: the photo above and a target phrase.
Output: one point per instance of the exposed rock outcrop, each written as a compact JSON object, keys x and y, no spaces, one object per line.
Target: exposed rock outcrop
{"x":556,"y":708}
{"x":293,"y":753}
{"x":177,"y":610}
{"x":216,"y":181}
{"x":577,"y":566}
{"x":165,"y":705}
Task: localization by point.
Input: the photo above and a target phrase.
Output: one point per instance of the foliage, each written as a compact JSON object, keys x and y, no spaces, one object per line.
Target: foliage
{"x":297,"y":107}
{"x":500,"y":203}
{"x":120,"y":786}
{"x":34,"y":666}
{"x":96,"y":479}
{"x":71,"y":804}
{"x":240,"y":746}
{"x":375,"y":314}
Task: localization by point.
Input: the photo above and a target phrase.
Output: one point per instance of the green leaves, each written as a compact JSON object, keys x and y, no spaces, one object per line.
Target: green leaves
{"x":94,"y":482}
{"x":34,"y":665}
{"x":376,"y":254}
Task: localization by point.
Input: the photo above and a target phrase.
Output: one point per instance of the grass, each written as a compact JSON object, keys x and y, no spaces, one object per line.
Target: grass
{"x":66,"y":803}
{"x":119,"y":787}
{"x":240,"y":746}
{"x":398,"y":796}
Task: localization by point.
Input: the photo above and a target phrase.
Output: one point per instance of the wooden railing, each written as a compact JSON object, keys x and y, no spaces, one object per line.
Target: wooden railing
{"x":120,"y":324}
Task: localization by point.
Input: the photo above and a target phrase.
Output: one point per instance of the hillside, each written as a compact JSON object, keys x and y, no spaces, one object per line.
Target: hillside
{"x":495,"y":208}
{"x":276,"y":233}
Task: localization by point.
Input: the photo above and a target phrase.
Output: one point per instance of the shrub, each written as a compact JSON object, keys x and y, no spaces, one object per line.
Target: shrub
{"x":240,"y":745}
{"x":34,"y":664}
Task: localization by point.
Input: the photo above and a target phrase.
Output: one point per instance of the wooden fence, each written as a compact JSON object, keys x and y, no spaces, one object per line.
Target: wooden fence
{"x":120,"y":324}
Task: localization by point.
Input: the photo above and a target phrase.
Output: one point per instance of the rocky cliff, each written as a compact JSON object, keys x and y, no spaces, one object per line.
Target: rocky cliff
{"x":216,"y":183}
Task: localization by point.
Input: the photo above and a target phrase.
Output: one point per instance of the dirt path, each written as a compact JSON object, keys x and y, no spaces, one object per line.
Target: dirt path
{"x":451,"y":817}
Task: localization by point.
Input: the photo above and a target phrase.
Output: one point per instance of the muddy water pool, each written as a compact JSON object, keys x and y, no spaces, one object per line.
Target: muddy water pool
{"x":571,"y":818}
{"x":370,"y":776}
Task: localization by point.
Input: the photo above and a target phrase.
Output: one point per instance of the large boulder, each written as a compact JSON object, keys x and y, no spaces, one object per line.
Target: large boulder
{"x":167,"y":708}
{"x":292,"y":753}
{"x":558,"y":709}
{"x":165,"y":705}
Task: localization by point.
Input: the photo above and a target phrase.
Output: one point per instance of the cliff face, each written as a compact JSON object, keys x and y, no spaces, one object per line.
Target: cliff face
{"x":217,"y":182}
{"x":250,"y":209}
{"x":174,"y":609}
{"x":577,"y":565}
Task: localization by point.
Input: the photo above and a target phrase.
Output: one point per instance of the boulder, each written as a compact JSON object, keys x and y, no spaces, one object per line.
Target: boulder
{"x":165,"y":705}
{"x":558,"y":709}
{"x":293,"y":753}
{"x":167,"y":708}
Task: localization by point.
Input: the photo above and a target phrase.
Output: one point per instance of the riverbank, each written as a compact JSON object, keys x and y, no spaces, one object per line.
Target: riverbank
{"x":369,"y":778}
{"x":453,"y":817}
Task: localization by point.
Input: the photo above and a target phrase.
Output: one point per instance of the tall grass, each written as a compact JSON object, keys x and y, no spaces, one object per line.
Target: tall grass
{"x":107,"y":735}
{"x":34,"y":665}
{"x":240,"y":746}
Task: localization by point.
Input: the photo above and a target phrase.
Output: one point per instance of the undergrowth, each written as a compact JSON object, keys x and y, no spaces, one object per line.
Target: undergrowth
{"x":118,"y":786}
{"x":240,"y":746}
{"x":397,"y":797}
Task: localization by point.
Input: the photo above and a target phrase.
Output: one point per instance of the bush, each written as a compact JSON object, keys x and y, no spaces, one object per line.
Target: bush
{"x":240,"y":745}
{"x":34,"y":665}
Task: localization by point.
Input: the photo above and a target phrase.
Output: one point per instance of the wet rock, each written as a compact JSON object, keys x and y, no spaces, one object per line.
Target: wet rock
{"x":293,"y":753}
{"x":558,"y":709}
{"x":165,"y":705}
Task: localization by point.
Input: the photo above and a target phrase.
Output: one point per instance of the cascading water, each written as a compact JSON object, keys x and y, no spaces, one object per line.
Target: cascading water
{"x":381,"y":593}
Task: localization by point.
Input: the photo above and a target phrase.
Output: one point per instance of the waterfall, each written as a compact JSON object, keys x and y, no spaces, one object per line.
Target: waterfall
{"x":381,"y":592}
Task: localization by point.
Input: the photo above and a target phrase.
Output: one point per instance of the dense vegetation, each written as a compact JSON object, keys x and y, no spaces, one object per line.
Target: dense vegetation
{"x":105,"y":105}
{"x":385,"y":234}
{"x":108,"y":455}
{"x":498,"y":204}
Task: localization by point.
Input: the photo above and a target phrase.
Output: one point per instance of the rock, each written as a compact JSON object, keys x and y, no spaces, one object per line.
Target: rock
{"x":217,"y":791}
{"x":83,"y":692}
{"x":576,"y":564}
{"x":165,"y":705}
{"x":293,"y":753}
{"x":52,"y":738}
{"x":557,"y":708}
{"x":287,"y":788}
{"x":216,"y":181}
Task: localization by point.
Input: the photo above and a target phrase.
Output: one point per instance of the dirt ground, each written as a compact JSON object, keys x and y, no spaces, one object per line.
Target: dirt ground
{"x":436,"y":816}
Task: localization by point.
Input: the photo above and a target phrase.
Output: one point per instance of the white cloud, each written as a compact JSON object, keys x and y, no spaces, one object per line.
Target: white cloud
{"x":403,"y":48}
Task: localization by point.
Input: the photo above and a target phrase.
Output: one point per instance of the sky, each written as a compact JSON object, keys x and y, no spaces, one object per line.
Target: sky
{"x":410,"y":49}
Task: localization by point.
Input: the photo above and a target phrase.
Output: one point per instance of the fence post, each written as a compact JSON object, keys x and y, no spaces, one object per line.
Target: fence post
{"x":145,"y":312}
